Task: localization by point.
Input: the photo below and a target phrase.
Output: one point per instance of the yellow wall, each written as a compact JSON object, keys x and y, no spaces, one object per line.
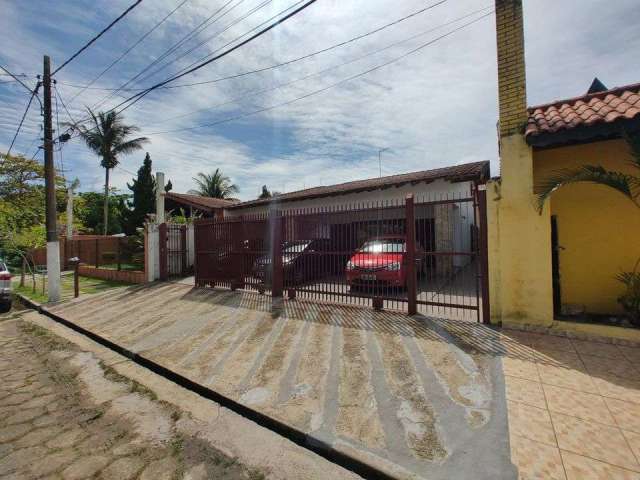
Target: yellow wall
{"x":598,"y":227}
{"x":519,"y":242}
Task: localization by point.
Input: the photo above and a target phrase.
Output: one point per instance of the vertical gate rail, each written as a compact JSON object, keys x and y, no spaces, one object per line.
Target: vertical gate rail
{"x":162,"y":244}
{"x":424,"y":254}
{"x":483,"y":247}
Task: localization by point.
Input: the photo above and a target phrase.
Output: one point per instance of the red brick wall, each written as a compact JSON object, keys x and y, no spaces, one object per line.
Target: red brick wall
{"x":114,"y":275}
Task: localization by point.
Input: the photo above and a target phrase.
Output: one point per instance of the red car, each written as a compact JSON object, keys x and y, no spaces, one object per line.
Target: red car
{"x":381,"y":261}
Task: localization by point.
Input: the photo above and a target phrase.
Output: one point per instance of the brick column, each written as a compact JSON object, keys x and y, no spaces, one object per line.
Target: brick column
{"x":512,"y":87}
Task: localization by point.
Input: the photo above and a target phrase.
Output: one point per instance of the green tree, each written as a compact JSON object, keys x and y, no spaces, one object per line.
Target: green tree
{"x":91,"y":208}
{"x":215,"y":185}
{"x":143,"y":196}
{"x":265,"y":193}
{"x":109,"y":137}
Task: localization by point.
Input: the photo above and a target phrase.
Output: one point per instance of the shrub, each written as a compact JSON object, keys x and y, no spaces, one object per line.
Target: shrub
{"x":630,"y":299}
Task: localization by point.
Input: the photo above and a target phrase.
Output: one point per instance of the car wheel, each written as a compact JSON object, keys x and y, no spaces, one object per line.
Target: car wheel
{"x":5,"y":307}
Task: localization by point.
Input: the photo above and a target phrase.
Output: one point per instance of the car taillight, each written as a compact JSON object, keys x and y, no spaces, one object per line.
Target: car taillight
{"x":5,"y":276}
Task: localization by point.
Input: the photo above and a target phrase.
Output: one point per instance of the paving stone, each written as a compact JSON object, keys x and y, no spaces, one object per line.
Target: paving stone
{"x":38,"y":436}
{"x":19,"y":459}
{"x":13,"y":432}
{"x":123,"y":469}
{"x":23,"y":416}
{"x":53,"y":462}
{"x":163,"y":469}
{"x":67,"y":439}
{"x":85,"y":467}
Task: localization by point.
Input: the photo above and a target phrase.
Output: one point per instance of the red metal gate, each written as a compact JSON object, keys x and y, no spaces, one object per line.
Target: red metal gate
{"x":423,"y":254}
{"x":174,"y":250}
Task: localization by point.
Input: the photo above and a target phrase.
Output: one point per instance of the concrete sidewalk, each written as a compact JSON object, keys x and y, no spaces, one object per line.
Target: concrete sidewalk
{"x":406,"y":395}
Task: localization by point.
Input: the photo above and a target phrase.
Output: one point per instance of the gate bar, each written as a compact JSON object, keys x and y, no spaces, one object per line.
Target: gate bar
{"x":483,"y":245}
{"x":410,"y":256}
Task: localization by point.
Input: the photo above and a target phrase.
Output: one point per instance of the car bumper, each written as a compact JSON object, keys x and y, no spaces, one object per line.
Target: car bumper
{"x":395,"y":279}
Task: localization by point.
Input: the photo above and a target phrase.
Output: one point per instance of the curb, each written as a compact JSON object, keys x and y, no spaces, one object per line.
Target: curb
{"x":292,"y":434}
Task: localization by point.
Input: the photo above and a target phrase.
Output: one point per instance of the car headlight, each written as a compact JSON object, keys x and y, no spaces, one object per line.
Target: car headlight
{"x":350,"y":265}
{"x":393,"y":267}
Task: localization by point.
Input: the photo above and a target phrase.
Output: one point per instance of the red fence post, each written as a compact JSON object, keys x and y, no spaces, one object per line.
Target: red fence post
{"x":183,"y":248}
{"x":162,"y":249}
{"x":483,"y":253}
{"x":410,"y":257}
{"x":276,"y":256}
{"x":118,"y":243}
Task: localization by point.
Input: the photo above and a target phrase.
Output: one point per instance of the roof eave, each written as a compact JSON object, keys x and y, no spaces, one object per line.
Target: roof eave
{"x":583,"y":134}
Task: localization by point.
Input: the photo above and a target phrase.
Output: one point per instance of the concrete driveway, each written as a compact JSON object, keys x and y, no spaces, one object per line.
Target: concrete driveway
{"x":416,"y":397}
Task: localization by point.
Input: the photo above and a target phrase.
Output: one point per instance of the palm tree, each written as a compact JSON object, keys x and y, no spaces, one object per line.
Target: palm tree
{"x":215,"y":185}
{"x":109,"y":138}
{"x":625,"y":183}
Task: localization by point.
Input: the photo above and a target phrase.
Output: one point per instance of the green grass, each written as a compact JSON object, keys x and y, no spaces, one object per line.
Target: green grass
{"x":87,"y":286}
{"x":123,"y":266}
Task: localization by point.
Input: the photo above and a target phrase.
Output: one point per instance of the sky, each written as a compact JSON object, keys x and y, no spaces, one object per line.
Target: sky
{"x":431,"y":108}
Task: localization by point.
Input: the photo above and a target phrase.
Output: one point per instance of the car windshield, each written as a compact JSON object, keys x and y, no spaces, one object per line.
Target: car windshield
{"x":3,"y":267}
{"x":387,"y":245}
{"x":295,"y":247}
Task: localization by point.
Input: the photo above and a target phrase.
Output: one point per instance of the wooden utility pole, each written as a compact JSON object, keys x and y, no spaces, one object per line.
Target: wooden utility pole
{"x":53,"y":248}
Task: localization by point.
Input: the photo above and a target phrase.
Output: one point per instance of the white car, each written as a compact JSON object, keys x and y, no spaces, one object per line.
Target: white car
{"x":5,"y":288}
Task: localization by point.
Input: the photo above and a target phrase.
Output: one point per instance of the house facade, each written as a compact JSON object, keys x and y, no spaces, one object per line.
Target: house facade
{"x":564,"y":259}
{"x":444,"y":227}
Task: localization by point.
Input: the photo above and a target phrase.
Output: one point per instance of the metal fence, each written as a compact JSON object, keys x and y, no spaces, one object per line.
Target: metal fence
{"x":416,"y":254}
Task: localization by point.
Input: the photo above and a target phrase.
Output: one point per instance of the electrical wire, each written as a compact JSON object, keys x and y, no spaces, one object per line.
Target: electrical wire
{"x":208,"y":39}
{"x":253,"y":93}
{"x":324,"y":89}
{"x":60,"y":145}
{"x":104,"y":30}
{"x":126,"y":52}
{"x":15,"y":77}
{"x":194,"y":32}
{"x":136,"y":98}
{"x":33,"y":94}
{"x":55,"y":87}
{"x":297,"y":59}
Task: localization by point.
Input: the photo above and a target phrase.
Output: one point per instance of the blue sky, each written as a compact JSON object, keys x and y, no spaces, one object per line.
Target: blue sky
{"x":434,"y":108}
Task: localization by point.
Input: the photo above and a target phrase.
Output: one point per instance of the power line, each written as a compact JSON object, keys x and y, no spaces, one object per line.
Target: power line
{"x":253,"y":93}
{"x":60,"y":145}
{"x":208,"y":39}
{"x":303,"y":57}
{"x":195,"y":31}
{"x":15,"y":77}
{"x":33,"y":94}
{"x":126,"y":52}
{"x":104,"y":30}
{"x":136,"y":98}
{"x":324,"y":89}
{"x":55,"y":87}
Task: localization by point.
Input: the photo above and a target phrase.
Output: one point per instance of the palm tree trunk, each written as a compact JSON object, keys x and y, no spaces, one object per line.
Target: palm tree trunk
{"x":106,"y":201}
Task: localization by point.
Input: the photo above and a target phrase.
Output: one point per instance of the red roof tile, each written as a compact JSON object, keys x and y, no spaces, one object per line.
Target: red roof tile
{"x":466,"y":171}
{"x":198,"y":201}
{"x":615,"y":105}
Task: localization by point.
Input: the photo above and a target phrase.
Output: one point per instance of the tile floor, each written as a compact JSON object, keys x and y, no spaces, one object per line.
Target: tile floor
{"x":574,"y":408}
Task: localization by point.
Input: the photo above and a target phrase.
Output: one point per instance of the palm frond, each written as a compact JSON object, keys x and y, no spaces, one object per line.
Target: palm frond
{"x":618,"y":181}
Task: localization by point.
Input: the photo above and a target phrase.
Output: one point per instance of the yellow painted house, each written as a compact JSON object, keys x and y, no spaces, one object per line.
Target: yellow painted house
{"x":547,"y":266}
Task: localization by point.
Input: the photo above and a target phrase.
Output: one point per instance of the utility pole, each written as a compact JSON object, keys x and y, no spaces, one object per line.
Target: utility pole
{"x":53,"y":247}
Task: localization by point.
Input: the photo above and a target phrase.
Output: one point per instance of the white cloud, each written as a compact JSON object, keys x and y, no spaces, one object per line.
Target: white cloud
{"x":437,"y":107}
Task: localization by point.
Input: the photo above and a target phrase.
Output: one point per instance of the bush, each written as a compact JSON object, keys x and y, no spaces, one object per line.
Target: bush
{"x":630,"y":299}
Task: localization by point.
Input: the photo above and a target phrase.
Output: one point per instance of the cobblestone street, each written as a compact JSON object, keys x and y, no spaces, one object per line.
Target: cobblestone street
{"x":54,"y":425}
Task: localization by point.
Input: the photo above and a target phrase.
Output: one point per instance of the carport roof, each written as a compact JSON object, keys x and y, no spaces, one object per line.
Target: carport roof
{"x":197,"y":201}
{"x":456,"y":173}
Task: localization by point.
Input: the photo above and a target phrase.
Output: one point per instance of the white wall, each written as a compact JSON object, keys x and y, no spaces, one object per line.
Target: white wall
{"x":422,"y":191}
{"x":153,"y":252}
